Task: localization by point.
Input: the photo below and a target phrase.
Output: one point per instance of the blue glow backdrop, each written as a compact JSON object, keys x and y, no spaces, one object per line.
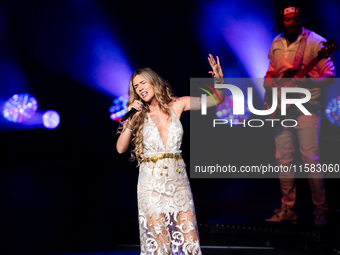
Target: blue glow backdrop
{"x":67,"y":189}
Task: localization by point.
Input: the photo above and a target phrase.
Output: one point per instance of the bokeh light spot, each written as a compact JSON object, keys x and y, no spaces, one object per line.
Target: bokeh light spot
{"x":332,"y":111}
{"x":51,"y":119}
{"x":225,"y":111}
{"x":119,"y":108}
{"x":20,"y":107}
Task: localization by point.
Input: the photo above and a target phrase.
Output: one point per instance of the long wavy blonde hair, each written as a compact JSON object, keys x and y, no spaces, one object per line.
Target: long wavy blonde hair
{"x":163,"y":95}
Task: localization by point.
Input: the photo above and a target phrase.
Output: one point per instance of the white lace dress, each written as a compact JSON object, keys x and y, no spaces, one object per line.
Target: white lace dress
{"x":167,"y":221}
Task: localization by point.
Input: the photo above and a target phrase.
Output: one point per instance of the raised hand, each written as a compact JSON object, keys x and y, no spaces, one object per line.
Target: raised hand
{"x":217,"y":69}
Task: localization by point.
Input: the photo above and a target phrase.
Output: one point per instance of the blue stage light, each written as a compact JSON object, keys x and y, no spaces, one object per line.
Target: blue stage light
{"x":119,"y":108}
{"x":51,"y":119}
{"x":20,"y":107}
{"x":332,"y":111}
{"x":243,"y":29}
{"x":84,"y":45}
{"x":225,"y":111}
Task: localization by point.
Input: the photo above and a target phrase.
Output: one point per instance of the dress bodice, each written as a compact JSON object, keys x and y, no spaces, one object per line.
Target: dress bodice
{"x":152,"y":141}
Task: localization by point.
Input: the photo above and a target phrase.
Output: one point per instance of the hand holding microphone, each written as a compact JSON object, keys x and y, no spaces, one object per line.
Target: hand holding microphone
{"x":135,"y":107}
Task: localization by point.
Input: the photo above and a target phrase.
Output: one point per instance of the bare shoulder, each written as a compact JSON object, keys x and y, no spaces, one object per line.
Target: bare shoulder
{"x":178,"y":105}
{"x":182,"y":102}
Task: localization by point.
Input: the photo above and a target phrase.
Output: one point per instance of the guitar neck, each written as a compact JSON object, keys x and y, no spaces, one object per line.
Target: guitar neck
{"x":303,"y":72}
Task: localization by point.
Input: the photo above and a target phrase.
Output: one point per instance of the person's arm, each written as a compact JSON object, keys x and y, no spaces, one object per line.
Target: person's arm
{"x":268,"y":82}
{"x":126,"y":135}
{"x":321,"y":82}
{"x":188,"y":103}
{"x":326,"y":70}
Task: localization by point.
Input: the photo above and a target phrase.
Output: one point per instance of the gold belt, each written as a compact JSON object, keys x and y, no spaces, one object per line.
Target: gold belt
{"x":154,"y":160}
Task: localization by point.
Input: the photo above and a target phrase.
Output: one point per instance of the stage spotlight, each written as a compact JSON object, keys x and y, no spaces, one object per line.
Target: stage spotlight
{"x":99,"y":62}
{"x":119,"y":108}
{"x":332,"y":111}
{"x":51,"y":119}
{"x":252,"y":21}
{"x":225,"y":111}
{"x":20,"y":107}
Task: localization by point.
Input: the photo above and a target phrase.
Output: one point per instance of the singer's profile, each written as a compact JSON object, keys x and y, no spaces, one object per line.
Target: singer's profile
{"x":167,"y":220}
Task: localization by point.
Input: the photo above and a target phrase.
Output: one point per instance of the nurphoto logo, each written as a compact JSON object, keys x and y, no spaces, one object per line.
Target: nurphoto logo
{"x":238,"y":104}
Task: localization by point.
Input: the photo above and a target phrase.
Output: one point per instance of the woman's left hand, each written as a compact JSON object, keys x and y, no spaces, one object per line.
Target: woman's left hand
{"x":217,"y":69}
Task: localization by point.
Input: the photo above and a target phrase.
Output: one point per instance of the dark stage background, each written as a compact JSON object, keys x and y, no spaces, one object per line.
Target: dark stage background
{"x":68,"y":189}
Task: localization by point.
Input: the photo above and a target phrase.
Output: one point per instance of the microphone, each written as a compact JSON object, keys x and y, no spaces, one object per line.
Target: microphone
{"x":130,"y":113}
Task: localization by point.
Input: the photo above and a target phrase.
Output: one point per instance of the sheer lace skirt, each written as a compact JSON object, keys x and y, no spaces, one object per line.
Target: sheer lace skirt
{"x":167,"y":220}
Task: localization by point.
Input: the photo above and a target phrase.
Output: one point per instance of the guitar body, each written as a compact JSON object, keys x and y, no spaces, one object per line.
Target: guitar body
{"x":279,"y":83}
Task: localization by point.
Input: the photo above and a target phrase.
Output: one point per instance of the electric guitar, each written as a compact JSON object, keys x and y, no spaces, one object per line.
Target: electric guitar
{"x":325,"y":52}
